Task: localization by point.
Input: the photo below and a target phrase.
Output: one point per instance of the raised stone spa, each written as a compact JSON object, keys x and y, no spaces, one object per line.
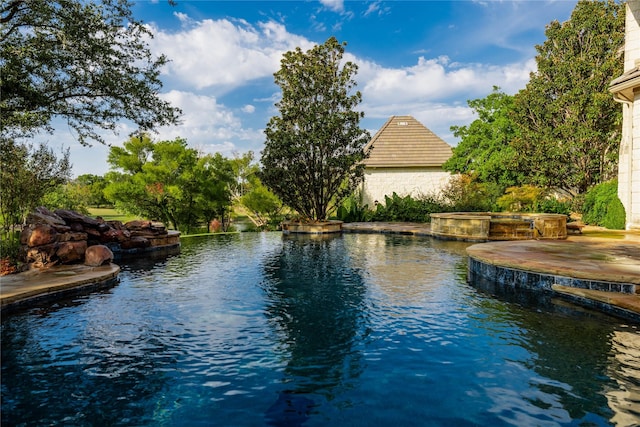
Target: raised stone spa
{"x":489,"y":226}
{"x":319,"y":227}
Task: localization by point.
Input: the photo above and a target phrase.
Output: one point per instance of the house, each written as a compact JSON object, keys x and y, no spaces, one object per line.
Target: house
{"x":626,"y":90}
{"x":405,"y":158}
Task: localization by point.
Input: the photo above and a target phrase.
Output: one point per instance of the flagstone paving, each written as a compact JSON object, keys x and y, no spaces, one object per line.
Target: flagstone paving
{"x":23,"y":289}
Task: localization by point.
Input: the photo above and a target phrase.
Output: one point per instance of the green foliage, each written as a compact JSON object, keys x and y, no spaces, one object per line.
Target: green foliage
{"x":26,"y":175}
{"x":484,"y":149}
{"x":208,"y":185}
{"x":520,"y":199}
{"x":603,"y":207}
{"x":10,"y":247}
{"x":91,"y":190}
{"x":553,"y":205}
{"x":169,"y":182}
{"x":568,"y":122}
{"x":407,"y":209}
{"x":615,"y":219}
{"x":463,"y":193}
{"x":313,"y":152}
{"x":529,"y":198}
{"x":87,"y":62}
{"x":251,"y":197}
{"x":66,"y":196}
{"x":352,"y":210}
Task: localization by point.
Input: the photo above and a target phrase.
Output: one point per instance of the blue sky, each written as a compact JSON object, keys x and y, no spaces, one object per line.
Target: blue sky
{"x":421,"y":58}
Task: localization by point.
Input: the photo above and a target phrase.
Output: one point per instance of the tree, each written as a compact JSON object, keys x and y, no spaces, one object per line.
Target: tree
{"x":27,"y":174}
{"x":71,"y":196}
{"x":249,"y":195}
{"x":314,"y":149}
{"x":150,"y":182}
{"x":168,"y":181}
{"x":485,"y":150}
{"x":87,"y":62}
{"x":213,"y":176}
{"x":568,"y":122}
{"x":91,"y":187}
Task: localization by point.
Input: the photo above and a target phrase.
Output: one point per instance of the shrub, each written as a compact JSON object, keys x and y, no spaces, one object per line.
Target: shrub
{"x":407,"y":208}
{"x":615,"y":218}
{"x":464,"y":194}
{"x":528,"y":198}
{"x":603,"y":207}
{"x":352,"y":210}
{"x":553,"y":205}
{"x":10,"y":249}
{"x":520,"y":199}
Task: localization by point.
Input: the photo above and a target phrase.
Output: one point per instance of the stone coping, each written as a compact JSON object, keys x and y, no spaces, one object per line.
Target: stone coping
{"x":320,"y":227}
{"x":498,"y":226}
{"x":496,"y":215}
{"x":600,"y":273}
{"x":25,"y":289}
{"x":615,"y":303}
{"x":405,"y":228}
{"x":595,"y":259}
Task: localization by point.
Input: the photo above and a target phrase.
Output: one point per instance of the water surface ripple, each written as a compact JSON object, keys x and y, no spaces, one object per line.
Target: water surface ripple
{"x":354,"y":330}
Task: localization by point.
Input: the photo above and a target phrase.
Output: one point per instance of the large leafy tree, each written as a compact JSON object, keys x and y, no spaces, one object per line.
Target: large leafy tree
{"x":485,"y":150}
{"x":84,"y":61}
{"x":211,"y":181}
{"x":568,"y":122}
{"x":168,"y":181}
{"x":314,"y":148}
{"x":27,"y":174}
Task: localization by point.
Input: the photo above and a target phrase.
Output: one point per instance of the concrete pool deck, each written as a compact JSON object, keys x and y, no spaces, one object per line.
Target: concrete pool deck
{"x":596,"y":255}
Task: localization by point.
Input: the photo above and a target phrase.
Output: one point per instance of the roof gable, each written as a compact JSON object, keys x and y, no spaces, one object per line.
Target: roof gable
{"x":405,"y":142}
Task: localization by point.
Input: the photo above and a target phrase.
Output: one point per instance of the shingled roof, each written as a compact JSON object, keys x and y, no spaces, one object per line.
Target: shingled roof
{"x":405,"y":142}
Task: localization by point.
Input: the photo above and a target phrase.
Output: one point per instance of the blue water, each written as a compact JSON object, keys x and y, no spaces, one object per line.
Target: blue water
{"x":354,"y":330}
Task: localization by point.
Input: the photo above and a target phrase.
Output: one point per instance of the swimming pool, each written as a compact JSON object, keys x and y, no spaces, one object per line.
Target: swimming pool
{"x":357,"y":330}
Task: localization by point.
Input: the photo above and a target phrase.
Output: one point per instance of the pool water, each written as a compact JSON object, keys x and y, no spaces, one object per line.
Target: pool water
{"x":260,"y":329}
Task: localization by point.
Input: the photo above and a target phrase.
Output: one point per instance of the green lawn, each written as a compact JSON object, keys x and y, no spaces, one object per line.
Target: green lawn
{"x":111,"y":214}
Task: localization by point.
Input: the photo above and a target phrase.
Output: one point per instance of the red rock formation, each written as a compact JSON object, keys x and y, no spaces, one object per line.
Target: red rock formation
{"x":65,"y":236}
{"x":97,"y":255}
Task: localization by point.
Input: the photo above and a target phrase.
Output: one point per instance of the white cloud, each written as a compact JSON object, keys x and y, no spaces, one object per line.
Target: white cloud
{"x":223,"y":54}
{"x":334,"y":5}
{"x":373,"y":8}
{"x":204,"y":121}
{"x":437,"y":79}
{"x":430,"y":90}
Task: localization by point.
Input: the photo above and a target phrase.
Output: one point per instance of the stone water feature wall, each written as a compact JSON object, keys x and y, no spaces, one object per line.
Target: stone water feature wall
{"x":67,"y":237}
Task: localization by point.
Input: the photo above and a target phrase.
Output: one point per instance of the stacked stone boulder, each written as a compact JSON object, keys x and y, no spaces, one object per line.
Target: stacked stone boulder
{"x":67,"y":237}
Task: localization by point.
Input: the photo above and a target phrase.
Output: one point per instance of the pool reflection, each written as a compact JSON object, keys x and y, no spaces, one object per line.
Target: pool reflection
{"x":315,"y":301}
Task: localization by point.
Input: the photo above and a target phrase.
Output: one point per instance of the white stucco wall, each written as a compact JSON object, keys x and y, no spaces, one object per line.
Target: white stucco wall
{"x":632,"y":35}
{"x":629,"y":161}
{"x":379,"y":182}
{"x":629,"y":170}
